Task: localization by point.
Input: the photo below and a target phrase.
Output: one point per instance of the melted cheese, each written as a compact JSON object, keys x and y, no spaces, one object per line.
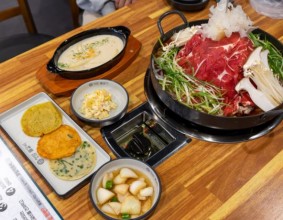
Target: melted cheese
{"x":90,"y":52}
{"x":78,"y":165}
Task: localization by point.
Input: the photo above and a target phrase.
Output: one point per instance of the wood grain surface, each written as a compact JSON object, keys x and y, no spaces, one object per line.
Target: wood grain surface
{"x":202,"y":180}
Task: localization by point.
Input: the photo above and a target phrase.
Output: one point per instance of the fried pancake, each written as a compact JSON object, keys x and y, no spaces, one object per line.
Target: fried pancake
{"x":41,"y":119}
{"x":77,"y":166}
{"x":60,"y":143}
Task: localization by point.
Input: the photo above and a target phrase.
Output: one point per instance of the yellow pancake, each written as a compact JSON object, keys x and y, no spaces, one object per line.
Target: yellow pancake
{"x":41,"y":119}
{"x":60,"y":143}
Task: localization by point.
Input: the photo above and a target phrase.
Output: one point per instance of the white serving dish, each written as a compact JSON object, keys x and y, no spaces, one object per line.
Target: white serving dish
{"x":119,"y":96}
{"x":131,"y":163}
{"x":10,"y":121}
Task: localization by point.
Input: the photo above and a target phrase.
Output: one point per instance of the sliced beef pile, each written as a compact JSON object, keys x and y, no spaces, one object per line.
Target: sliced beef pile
{"x":220,"y":63}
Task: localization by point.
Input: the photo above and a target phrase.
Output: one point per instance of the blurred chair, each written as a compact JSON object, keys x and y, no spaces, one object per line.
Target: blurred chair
{"x":14,"y":45}
{"x":76,"y":12}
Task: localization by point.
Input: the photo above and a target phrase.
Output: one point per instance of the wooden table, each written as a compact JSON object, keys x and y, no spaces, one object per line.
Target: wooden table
{"x":202,"y":180}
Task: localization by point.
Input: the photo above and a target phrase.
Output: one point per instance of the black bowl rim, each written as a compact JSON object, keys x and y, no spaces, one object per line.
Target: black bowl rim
{"x":123,"y":32}
{"x":189,"y":5}
{"x":97,"y":121}
{"x":188,"y":1}
{"x":145,"y":215}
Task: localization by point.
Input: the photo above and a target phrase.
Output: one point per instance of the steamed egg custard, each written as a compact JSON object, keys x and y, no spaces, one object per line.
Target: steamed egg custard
{"x":90,"y":52}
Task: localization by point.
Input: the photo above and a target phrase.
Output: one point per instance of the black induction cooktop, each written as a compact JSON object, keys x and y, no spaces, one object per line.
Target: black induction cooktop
{"x":142,"y":135}
{"x":152,"y":132}
{"x":200,"y":132}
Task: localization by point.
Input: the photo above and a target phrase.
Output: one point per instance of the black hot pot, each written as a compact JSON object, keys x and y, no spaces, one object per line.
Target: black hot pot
{"x":120,"y":31}
{"x":201,"y":118}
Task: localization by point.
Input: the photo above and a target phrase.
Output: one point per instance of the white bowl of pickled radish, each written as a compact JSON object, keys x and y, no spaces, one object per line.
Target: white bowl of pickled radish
{"x":125,"y":188}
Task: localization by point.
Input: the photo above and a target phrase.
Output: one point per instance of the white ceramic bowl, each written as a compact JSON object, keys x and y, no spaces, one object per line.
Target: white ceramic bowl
{"x":135,"y":165}
{"x":119,"y":96}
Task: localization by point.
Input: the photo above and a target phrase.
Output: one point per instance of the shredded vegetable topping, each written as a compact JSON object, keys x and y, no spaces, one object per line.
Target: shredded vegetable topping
{"x":225,"y":22}
{"x":186,"y":88}
{"x":275,"y":58}
{"x":180,"y":38}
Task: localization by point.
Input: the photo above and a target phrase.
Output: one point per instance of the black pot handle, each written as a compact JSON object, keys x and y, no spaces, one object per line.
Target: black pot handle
{"x":123,"y":30}
{"x":169,"y":13}
{"x":51,"y":67}
{"x":271,"y":113}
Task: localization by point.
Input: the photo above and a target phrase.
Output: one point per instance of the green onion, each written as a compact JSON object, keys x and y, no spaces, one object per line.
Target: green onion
{"x":80,"y":166}
{"x":70,"y":136}
{"x":126,"y":216}
{"x":186,"y":88}
{"x":85,"y":144}
{"x":114,"y":199}
{"x":109,"y":184}
{"x":275,"y":58}
{"x":63,"y":65}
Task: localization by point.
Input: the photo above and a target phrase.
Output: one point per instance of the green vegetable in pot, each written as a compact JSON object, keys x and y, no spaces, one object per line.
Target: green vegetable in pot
{"x":109,"y":184}
{"x":275,"y":58}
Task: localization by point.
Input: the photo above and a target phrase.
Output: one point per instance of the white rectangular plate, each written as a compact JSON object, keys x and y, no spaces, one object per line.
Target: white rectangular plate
{"x":10,"y":121}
